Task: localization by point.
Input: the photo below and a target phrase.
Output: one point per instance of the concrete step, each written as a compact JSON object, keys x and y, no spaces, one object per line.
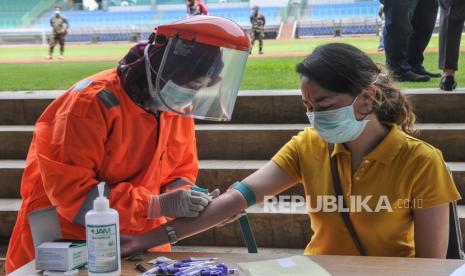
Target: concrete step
{"x":23,"y":108}
{"x":15,"y":141}
{"x":250,"y":141}
{"x":11,"y":172}
{"x":261,"y":142}
{"x":261,"y":107}
{"x":277,"y":230}
{"x":8,"y":211}
{"x":212,"y":174}
{"x":3,"y":248}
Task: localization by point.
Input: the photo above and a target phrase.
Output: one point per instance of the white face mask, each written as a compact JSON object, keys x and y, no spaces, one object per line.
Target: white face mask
{"x":339,"y":125}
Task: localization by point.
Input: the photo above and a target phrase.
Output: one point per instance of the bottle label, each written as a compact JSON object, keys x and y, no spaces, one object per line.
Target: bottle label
{"x":102,"y":248}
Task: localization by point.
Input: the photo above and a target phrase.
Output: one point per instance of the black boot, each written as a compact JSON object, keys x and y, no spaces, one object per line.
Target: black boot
{"x":448,"y":83}
{"x":422,"y":71}
{"x":411,"y":76}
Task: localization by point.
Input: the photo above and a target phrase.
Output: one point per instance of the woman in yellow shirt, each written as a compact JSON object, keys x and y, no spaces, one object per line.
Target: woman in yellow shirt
{"x":390,"y":180}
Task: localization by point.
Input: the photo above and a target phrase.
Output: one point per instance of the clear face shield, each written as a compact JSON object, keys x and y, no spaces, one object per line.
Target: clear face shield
{"x":197,"y":80}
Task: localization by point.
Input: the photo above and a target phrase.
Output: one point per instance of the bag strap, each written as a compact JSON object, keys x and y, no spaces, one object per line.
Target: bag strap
{"x":338,"y":190}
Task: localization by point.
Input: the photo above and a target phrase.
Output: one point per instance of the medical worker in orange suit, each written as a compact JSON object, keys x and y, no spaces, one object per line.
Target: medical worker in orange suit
{"x":132,"y":127}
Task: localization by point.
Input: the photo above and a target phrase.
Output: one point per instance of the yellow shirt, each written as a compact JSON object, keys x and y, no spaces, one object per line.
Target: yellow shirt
{"x":402,"y":173}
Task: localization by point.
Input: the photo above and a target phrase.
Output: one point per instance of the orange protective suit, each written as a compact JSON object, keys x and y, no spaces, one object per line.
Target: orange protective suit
{"x":92,"y":133}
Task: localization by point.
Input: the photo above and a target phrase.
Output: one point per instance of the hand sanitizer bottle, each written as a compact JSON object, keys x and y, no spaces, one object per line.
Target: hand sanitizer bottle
{"x":102,"y":236}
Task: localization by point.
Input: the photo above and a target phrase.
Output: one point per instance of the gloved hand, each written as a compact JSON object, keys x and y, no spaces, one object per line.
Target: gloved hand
{"x":214,"y":194}
{"x":177,"y":204}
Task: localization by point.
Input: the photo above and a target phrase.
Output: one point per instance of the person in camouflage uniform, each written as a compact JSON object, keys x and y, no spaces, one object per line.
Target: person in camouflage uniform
{"x":258,"y":28}
{"x":60,"y":28}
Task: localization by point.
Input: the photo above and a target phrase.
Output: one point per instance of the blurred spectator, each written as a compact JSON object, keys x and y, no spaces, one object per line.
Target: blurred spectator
{"x":59,"y":30}
{"x":381,"y":28}
{"x":258,"y":28}
{"x":408,"y":30}
{"x":452,"y":19}
{"x":194,"y":7}
{"x":90,"y":5}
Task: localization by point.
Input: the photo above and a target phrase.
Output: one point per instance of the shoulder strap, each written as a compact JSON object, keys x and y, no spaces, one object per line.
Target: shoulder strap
{"x":338,"y":190}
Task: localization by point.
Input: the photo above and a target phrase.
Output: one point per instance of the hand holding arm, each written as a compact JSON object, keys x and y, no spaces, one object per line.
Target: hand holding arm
{"x":179,"y":203}
{"x":225,"y":206}
{"x":269,"y":180}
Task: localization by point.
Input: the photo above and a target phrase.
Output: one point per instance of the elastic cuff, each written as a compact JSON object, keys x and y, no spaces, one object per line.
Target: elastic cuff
{"x":154,"y":211}
{"x":246,"y":192}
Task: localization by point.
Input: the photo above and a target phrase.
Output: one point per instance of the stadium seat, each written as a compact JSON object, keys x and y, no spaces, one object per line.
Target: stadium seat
{"x":81,"y":19}
{"x":359,"y":17}
{"x":92,"y":20}
{"x":12,"y":11}
{"x":337,"y":11}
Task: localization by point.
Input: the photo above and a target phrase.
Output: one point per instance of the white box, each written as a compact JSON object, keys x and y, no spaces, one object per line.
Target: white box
{"x":52,"y":252}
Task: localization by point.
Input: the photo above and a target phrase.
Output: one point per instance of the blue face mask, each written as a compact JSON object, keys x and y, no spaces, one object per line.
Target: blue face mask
{"x":337,"y":126}
{"x":176,"y":96}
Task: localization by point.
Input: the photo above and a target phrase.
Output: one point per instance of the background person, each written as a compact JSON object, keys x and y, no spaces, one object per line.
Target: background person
{"x":369,"y":120}
{"x":409,"y":25}
{"x":60,"y":27}
{"x":381,"y":28}
{"x":132,"y":127}
{"x":452,"y":18}
{"x":258,"y":28}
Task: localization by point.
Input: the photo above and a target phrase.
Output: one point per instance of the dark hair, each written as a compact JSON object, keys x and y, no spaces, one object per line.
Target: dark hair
{"x":345,"y":69}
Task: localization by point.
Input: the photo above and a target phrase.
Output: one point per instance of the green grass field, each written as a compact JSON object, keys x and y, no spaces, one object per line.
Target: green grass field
{"x":271,"y":46}
{"x":261,"y":73}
